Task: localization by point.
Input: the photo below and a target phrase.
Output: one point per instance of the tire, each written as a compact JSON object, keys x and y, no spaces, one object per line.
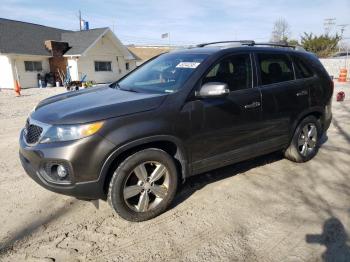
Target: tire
{"x":143,"y":185}
{"x":301,"y":149}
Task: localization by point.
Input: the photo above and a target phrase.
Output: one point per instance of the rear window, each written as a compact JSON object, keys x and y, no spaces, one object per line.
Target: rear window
{"x":302,"y":70}
{"x":275,"y":68}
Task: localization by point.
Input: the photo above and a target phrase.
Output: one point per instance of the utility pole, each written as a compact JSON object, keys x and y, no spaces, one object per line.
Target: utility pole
{"x":328,"y":25}
{"x":80,"y":20}
{"x":342,"y":29}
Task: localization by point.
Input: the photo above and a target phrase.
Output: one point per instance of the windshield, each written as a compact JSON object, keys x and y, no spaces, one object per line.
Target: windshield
{"x":165,"y":74}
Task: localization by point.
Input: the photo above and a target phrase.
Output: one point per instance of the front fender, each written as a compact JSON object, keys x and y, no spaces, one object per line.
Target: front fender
{"x":181,"y":154}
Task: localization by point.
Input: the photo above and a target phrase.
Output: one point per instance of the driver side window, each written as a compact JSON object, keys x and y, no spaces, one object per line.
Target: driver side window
{"x":235,"y":71}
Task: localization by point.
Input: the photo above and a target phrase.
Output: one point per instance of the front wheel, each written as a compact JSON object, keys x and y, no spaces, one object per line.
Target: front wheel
{"x":143,"y":185}
{"x":305,"y":142}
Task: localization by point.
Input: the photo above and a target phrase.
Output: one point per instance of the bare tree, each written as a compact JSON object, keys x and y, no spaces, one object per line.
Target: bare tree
{"x":281,"y":31}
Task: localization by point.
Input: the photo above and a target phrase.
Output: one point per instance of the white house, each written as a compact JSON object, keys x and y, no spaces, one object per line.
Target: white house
{"x":27,"y":50}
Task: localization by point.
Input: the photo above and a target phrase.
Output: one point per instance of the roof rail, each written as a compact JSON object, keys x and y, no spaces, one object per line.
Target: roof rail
{"x":243,"y":42}
{"x":295,"y":47}
{"x":274,"y":44}
{"x":253,"y":43}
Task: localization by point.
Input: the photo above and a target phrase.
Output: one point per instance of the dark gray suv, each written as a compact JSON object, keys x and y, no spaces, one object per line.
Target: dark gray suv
{"x":181,"y":114}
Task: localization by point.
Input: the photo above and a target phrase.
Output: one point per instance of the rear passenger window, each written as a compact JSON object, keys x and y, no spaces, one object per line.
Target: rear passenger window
{"x":275,"y":68}
{"x":301,"y":69}
{"x":235,"y":71}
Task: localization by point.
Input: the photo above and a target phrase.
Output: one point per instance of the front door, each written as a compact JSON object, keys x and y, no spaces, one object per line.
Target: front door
{"x":224,"y":128}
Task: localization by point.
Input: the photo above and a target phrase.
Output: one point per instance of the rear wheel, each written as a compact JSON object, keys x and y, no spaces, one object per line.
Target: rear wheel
{"x":144,"y":185}
{"x":305,"y":142}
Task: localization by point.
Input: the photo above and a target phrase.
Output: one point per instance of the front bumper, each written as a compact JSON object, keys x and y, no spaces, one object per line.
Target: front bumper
{"x":83,"y":158}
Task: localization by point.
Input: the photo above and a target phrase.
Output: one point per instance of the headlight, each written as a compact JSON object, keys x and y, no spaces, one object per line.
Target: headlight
{"x":70,"y":132}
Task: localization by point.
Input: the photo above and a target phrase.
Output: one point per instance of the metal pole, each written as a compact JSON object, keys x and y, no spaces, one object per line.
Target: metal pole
{"x":80,"y":20}
{"x":16,"y":71}
{"x":169,"y":40}
{"x":347,"y":56}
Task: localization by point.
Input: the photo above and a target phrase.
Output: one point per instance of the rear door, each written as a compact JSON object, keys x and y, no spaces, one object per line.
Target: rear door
{"x":228,"y":125}
{"x":307,"y":78}
{"x":283,"y":97}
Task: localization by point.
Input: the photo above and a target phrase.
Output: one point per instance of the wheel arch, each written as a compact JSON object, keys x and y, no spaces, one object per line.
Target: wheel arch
{"x":170,"y":144}
{"x":317,"y":112}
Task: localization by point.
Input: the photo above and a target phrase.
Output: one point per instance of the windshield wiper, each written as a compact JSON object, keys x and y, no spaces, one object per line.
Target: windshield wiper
{"x":115,"y":85}
{"x":129,"y":89}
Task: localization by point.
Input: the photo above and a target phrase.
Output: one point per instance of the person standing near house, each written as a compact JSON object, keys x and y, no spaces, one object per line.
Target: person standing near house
{"x":40,"y":81}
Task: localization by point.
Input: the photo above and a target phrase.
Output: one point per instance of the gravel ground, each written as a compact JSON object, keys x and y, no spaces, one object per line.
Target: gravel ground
{"x":266,"y":209}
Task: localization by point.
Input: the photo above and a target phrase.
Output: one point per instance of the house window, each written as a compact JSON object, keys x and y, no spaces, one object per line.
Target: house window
{"x":33,"y":66}
{"x":127,"y":66}
{"x":103,"y":66}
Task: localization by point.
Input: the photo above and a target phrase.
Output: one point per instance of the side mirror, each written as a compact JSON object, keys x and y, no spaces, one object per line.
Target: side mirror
{"x":213,"y":89}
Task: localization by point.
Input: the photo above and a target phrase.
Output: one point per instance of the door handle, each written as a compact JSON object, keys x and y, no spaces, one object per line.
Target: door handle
{"x":252,"y":105}
{"x":302,"y":93}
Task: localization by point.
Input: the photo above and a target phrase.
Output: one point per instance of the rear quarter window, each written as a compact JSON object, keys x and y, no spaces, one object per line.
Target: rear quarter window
{"x":275,"y":68}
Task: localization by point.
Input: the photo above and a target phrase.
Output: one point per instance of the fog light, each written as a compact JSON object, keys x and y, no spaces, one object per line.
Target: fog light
{"x":62,"y":171}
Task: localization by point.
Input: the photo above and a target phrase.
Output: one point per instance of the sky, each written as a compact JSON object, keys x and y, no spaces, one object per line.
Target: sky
{"x":187,"y":21}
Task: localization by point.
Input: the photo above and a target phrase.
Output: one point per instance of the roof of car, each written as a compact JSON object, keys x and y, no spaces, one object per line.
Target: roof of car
{"x":216,"y":49}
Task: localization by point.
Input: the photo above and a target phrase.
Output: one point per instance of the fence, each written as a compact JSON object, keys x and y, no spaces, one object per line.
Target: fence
{"x":333,"y":65}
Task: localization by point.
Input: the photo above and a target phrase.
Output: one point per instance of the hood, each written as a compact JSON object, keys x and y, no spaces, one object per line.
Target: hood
{"x":94,"y":104}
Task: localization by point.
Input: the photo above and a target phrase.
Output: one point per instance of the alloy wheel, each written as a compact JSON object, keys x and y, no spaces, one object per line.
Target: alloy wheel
{"x":146,"y":186}
{"x":307,"y":140}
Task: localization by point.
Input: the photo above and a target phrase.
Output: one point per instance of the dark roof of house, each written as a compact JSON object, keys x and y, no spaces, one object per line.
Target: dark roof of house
{"x":26,"y":38}
{"x":81,"y":40}
{"x":18,"y":37}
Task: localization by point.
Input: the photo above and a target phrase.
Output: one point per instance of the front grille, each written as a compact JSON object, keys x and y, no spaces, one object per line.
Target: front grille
{"x":32,"y":133}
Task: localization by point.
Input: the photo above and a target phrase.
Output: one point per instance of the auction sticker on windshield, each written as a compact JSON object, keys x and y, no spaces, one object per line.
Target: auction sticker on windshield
{"x":188,"y":65}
